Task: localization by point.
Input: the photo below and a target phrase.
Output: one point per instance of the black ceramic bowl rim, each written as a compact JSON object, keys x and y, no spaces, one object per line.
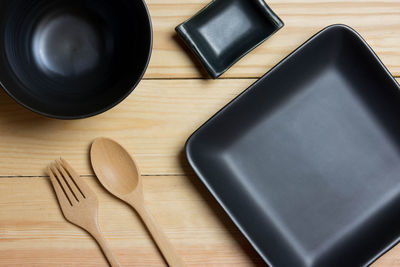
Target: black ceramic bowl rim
{"x":111,"y":105}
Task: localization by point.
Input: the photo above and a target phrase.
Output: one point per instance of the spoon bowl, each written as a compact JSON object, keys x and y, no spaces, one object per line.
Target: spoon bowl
{"x":115,"y":168}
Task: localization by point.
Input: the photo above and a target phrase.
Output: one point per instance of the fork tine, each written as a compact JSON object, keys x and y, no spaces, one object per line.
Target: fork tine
{"x":71,"y":184}
{"x":81,"y":185}
{"x":63,"y":184}
{"x":61,"y":196}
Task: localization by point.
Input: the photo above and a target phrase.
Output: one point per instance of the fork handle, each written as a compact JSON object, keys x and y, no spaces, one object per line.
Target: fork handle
{"x":98,"y":236}
{"x":159,"y":237}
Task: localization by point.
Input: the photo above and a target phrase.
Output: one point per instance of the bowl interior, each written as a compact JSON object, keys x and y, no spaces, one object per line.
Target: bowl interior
{"x":72,"y":59}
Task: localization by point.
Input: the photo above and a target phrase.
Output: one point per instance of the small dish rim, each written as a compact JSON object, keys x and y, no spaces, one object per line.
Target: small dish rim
{"x":211,"y":70}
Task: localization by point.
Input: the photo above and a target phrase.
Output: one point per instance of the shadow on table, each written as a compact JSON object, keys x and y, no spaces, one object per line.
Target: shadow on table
{"x":196,"y":62}
{"x":14,"y":115}
{"x":17,"y":122}
{"x":221,"y":215}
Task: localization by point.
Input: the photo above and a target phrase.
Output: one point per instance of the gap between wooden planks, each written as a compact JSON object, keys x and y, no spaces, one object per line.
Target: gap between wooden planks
{"x":153,"y":124}
{"x":33,"y":231}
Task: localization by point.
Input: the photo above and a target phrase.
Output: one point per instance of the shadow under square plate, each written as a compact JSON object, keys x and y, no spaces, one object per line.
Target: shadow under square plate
{"x":226,"y":30}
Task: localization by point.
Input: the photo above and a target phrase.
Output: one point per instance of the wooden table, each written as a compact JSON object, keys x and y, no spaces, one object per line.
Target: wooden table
{"x":172,"y":101}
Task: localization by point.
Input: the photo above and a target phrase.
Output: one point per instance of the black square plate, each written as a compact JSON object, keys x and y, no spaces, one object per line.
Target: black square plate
{"x":306,"y":161}
{"x":226,"y":30}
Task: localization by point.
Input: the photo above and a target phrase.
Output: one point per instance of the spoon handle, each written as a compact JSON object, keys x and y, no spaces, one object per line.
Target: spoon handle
{"x":160,"y":238}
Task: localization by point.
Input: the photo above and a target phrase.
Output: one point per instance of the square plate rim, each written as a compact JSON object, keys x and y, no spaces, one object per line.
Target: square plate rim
{"x":191,"y":139}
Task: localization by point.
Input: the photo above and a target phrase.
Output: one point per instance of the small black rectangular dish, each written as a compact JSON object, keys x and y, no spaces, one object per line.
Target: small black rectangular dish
{"x":306,"y":161}
{"x":226,"y":30}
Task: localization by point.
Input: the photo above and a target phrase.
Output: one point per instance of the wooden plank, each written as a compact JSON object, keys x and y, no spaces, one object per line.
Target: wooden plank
{"x":390,"y":259}
{"x":377,"y":21}
{"x":153,"y":124}
{"x":33,"y":231}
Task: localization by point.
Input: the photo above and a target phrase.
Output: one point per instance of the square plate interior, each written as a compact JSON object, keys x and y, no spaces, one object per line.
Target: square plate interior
{"x":306,"y":161}
{"x":225,"y":30}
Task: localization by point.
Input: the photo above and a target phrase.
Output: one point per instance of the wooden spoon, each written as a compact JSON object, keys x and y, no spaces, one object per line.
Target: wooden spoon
{"x":119,"y":174}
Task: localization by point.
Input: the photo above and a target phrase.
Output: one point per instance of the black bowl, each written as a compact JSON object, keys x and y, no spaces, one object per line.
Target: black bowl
{"x":72,"y":59}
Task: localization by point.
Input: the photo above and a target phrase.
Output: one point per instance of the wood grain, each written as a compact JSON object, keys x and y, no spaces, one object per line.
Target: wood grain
{"x":377,"y":21}
{"x":33,"y":231}
{"x":119,"y":174}
{"x":79,"y":204}
{"x":153,"y":124}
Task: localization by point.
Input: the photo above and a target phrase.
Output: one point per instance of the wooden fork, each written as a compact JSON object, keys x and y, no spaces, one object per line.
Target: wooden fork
{"x":78,"y":203}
